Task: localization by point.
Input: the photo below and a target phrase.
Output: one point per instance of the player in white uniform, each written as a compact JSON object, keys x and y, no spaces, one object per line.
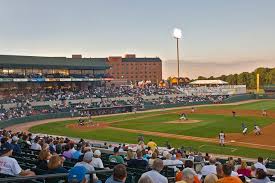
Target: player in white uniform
{"x":244,"y":129}
{"x":257,"y":130}
{"x":221,"y":138}
{"x":183,"y":117}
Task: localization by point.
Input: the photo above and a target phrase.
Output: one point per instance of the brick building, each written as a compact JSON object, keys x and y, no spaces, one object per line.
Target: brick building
{"x":135,"y":69}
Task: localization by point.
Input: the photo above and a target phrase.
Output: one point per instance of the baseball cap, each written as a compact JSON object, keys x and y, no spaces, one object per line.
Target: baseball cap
{"x":97,"y":153}
{"x":88,"y":156}
{"x":77,"y":174}
{"x":5,"y":148}
{"x":15,"y":138}
{"x":116,"y":149}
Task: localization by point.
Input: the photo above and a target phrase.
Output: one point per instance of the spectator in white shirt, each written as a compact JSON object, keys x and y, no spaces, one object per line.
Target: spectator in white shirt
{"x":260,"y":164}
{"x":35,"y":145}
{"x":72,"y":149}
{"x":86,"y":163}
{"x":211,"y":168}
{"x":154,"y":174}
{"x":97,"y":162}
{"x":9,"y":165}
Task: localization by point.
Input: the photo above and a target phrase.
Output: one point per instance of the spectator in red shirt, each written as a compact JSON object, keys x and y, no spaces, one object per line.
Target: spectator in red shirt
{"x":244,"y":170}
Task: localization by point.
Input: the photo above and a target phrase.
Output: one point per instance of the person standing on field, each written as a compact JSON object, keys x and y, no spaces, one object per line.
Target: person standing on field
{"x":221,"y":138}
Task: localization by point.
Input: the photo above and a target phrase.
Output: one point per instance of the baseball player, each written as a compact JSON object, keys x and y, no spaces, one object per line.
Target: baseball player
{"x":221,"y":138}
{"x":264,"y":113}
{"x":183,"y":117}
{"x":257,"y":130}
{"x":244,"y":129}
{"x":192,"y":109}
{"x":233,"y":113}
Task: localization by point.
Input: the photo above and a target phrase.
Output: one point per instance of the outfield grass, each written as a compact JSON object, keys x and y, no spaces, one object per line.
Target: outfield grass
{"x":259,"y":105}
{"x":154,"y":121}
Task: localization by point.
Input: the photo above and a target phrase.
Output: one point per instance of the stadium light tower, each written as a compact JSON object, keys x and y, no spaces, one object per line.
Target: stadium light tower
{"x":177,"y":34}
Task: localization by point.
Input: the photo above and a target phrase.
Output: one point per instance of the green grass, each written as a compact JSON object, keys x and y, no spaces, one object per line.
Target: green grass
{"x":259,"y":105}
{"x":210,"y":126}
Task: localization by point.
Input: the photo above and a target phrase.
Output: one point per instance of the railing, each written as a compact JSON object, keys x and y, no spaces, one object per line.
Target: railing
{"x":61,"y":176}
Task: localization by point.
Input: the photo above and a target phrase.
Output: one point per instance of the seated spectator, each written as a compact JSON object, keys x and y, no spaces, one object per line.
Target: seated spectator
{"x":152,"y":159}
{"x":10,"y":166}
{"x":227,"y":171}
{"x":188,"y":176}
{"x":35,"y":145}
{"x":15,"y":146}
{"x":211,"y":168}
{"x":77,"y":175}
{"x":78,"y":152}
{"x":43,"y":158}
{"x":116,"y":158}
{"x":253,"y":171}
{"x":219,"y":171}
{"x":25,"y":144}
{"x":244,"y":170}
{"x":168,"y":161}
{"x":260,"y":164}
{"x":55,"y":165}
{"x":232,"y":164}
{"x":154,"y":174}
{"x":260,"y":177}
{"x":67,"y":153}
{"x":86,"y":163}
{"x":199,"y":158}
{"x":191,"y":156}
{"x":145,"y":179}
{"x":187,"y":164}
{"x":72,"y":149}
{"x":52,"y":145}
{"x":130,"y":155}
{"x":119,"y":174}
{"x":206,"y":157}
{"x":211,"y":178}
{"x":138,"y":163}
{"x":97,"y":162}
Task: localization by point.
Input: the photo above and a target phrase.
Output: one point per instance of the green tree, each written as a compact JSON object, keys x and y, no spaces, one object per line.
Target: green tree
{"x":270,"y":77}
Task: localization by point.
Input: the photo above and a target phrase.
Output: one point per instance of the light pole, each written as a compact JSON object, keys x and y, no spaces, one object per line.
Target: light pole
{"x":177,"y":35}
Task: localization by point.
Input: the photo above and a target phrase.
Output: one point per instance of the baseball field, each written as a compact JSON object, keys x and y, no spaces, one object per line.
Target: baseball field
{"x":200,"y":131}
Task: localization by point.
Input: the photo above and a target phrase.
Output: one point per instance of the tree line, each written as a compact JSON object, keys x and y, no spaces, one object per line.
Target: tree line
{"x":267,"y":76}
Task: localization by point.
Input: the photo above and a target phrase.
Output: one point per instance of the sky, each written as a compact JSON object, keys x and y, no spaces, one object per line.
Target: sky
{"x":216,"y":31}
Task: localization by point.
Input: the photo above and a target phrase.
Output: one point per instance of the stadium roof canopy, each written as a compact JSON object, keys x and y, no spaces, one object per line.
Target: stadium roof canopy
{"x":156,"y":59}
{"x":14,"y":61}
{"x":208,"y":82}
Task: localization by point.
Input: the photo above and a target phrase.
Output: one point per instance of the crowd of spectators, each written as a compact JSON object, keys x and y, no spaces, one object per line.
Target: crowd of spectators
{"x":74,"y":94}
{"x":53,"y":155}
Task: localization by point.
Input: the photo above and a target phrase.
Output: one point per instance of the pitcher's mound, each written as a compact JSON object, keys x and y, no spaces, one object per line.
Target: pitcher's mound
{"x":183,"y":121}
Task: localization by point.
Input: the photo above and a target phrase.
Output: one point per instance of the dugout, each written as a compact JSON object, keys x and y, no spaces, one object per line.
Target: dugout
{"x":107,"y":110}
